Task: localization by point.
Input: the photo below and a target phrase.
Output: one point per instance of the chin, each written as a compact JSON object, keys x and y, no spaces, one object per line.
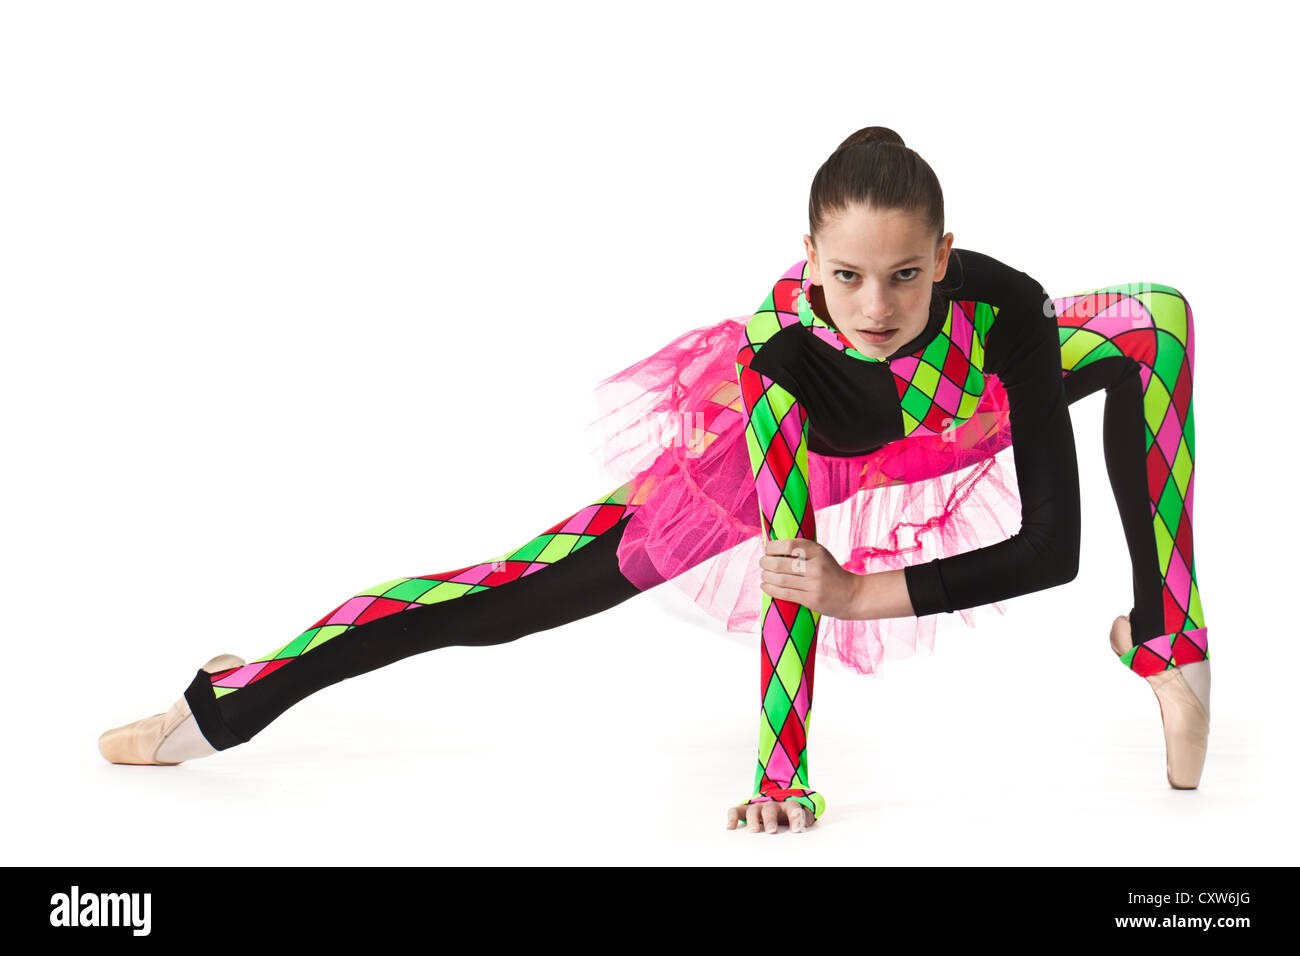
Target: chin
{"x":879,"y":348}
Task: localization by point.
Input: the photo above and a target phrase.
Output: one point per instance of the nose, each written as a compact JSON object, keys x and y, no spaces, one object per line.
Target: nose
{"x":875,"y":304}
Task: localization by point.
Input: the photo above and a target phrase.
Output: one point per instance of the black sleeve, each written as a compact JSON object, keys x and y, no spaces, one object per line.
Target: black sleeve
{"x":1023,"y":348}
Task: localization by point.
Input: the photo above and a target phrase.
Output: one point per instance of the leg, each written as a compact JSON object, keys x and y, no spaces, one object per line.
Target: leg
{"x":582,"y":565}
{"x":1138,"y":343}
{"x":568,"y":572}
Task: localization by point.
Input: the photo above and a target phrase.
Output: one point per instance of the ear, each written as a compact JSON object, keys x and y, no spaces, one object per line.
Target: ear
{"x":814,"y":267}
{"x":941,"y":256}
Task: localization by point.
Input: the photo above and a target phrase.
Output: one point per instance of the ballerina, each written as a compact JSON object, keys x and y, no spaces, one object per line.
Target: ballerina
{"x":885,"y":358}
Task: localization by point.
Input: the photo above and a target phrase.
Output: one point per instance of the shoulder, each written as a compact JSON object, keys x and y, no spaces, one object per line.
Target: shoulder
{"x":1012,"y":313}
{"x":979,"y":277}
{"x":774,"y":327}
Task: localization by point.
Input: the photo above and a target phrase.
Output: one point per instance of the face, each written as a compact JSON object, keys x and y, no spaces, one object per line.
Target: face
{"x":875,"y":268}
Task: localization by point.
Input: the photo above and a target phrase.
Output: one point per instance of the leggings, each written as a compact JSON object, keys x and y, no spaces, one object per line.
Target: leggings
{"x":1133,"y":341}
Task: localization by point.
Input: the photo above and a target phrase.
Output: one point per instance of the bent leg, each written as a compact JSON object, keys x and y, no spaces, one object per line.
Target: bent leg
{"x":1137,"y":342}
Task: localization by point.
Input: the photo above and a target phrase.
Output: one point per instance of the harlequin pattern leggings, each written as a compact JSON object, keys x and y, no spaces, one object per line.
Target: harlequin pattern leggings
{"x":1140,"y":355}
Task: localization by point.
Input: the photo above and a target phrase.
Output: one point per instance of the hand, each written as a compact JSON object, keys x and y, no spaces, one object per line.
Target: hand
{"x":801,"y":570}
{"x":772,"y":815}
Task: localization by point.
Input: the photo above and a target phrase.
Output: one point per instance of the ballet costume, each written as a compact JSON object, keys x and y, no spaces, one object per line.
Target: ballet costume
{"x":771,"y":426}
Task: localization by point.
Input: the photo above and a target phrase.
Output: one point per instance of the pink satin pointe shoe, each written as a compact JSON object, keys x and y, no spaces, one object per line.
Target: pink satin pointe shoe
{"x":1184,"y":696}
{"x":163,"y":739}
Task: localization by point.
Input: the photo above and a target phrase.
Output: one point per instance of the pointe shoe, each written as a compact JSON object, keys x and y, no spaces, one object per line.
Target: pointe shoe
{"x":1184,"y":711}
{"x":164,"y":739}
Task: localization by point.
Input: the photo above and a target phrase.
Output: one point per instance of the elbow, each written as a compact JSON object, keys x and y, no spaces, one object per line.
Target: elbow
{"x":1056,"y":555}
{"x":1053,"y":536}
{"x":1063,"y":551}
{"x":1066,"y":563}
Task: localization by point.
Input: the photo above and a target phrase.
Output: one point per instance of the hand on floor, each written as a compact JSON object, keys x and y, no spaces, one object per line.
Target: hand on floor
{"x":771,"y":815}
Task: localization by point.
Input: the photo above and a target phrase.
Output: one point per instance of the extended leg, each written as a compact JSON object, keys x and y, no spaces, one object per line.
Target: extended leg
{"x":568,"y":572}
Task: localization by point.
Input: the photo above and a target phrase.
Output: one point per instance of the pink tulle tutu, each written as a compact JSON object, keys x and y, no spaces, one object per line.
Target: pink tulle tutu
{"x":672,"y":424}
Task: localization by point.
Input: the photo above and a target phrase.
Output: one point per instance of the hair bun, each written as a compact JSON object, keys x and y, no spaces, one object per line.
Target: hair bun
{"x":872,"y":134}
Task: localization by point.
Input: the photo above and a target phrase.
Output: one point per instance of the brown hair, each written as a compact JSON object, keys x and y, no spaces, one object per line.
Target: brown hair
{"x":874,"y":167}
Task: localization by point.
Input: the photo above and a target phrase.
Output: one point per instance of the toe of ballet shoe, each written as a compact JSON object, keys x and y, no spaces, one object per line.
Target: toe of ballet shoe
{"x":1187,"y":728}
{"x":136,"y":742}
{"x":139,"y":741}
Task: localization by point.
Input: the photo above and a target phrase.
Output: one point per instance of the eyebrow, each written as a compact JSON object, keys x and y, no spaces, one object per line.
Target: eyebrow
{"x":849,"y":265}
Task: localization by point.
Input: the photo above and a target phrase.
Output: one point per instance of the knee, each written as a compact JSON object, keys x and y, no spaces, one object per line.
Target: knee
{"x":1187,"y":306}
{"x":1176,"y":317}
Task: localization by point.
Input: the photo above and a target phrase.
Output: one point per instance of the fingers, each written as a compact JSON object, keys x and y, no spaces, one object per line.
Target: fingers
{"x":778,"y":565}
{"x":775,"y":577}
{"x":809,"y":594}
{"x":790,"y":582}
{"x":784,"y":594}
{"x":796,"y":547}
{"x":769,"y":815}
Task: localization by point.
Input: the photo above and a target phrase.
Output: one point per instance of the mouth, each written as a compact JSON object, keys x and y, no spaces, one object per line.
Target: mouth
{"x":874,"y":336}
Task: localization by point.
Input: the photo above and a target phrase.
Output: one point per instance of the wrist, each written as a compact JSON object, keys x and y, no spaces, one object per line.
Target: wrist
{"x":881,"y":594}
{"x":863,"y":593}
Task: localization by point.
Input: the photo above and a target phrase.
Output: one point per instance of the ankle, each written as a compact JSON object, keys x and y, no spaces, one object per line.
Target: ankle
{"x":184,"y":740}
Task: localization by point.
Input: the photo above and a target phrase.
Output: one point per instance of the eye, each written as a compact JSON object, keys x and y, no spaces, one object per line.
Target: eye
{"x":912,"y":274}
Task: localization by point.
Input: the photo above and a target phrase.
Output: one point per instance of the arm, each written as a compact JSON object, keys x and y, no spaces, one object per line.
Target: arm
{"x":1024,"y":350}
{"x":776,"y":431}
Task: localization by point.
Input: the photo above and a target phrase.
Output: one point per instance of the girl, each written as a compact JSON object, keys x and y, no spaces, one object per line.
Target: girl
{"x":886,"y":358}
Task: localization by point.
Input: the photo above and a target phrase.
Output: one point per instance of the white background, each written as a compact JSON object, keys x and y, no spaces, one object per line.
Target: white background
{"x":303,"y":297}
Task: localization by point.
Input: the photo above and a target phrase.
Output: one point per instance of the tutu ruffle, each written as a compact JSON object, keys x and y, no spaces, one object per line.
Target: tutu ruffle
{"x":672,"y":426}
